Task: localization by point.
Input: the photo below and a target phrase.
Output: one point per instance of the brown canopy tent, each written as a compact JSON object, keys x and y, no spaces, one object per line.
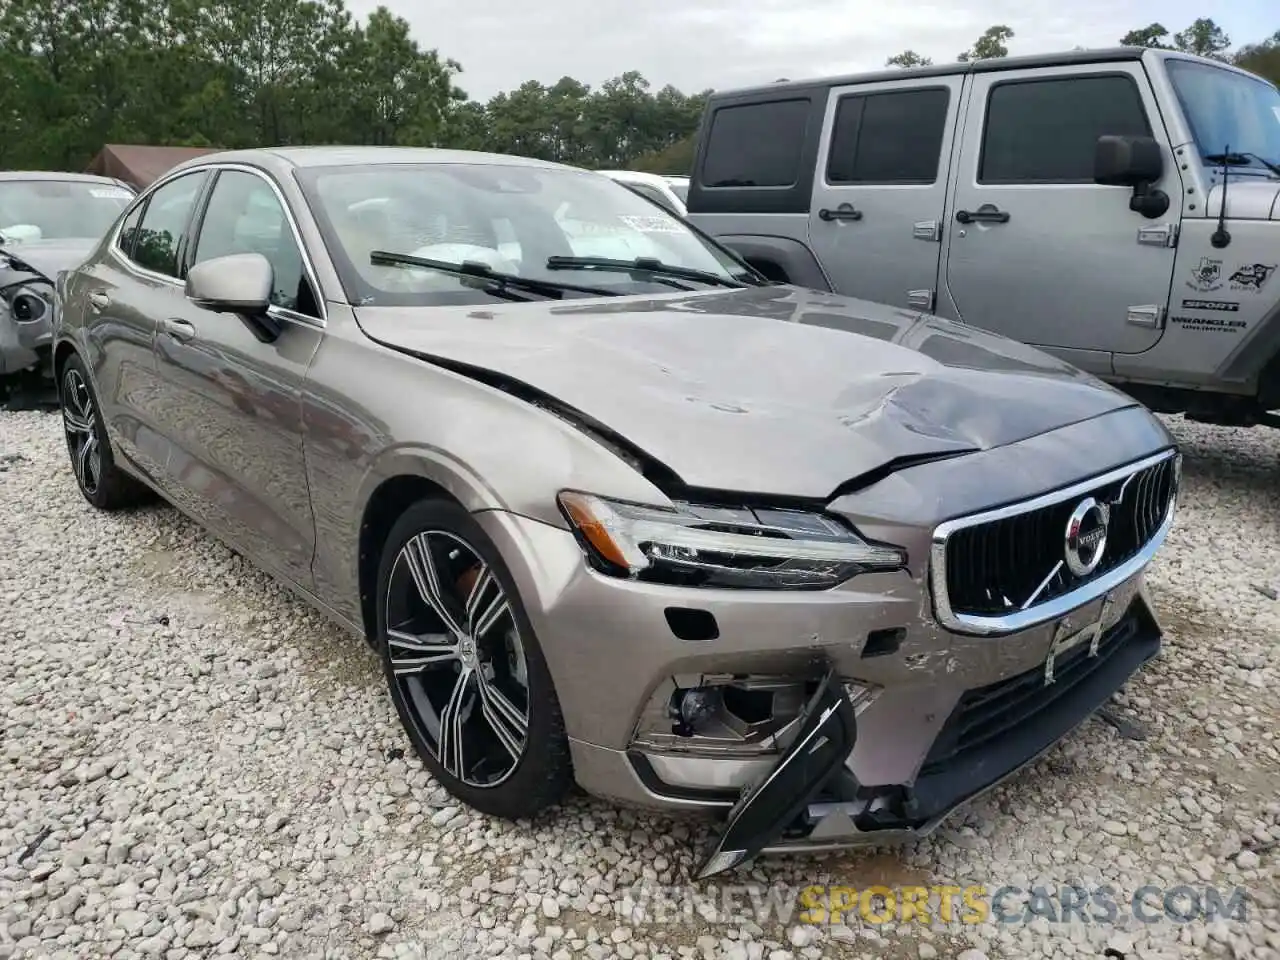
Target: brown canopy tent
{"x":141,"y":165}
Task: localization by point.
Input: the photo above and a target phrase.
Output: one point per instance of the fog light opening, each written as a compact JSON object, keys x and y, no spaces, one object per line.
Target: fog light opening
{"x":692,"y":707}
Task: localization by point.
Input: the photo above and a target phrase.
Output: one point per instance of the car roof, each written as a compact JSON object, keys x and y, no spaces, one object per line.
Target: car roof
{"x":1066,"y":58}
{"x":282,"y":159}
{"x":637,"y":176}
{"x":11,"y":175}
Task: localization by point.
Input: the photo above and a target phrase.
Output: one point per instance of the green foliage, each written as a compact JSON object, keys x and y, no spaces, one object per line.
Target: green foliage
{"x":1261,"y":58}
{"x":990,"y":45}
{"x":76,"y":76}
{"x":675,"y":160}
{"x":1204,"y":37}
{"x":907,"y":59}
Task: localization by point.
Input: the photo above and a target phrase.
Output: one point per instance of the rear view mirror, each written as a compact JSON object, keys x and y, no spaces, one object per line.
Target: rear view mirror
{"x":1137,"y":162}
{"x":237,"y":283}
{"x":1127,"y":161}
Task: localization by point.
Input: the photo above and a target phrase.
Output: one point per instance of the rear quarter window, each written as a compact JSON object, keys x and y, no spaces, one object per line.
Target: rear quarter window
{"x":756,"y":144}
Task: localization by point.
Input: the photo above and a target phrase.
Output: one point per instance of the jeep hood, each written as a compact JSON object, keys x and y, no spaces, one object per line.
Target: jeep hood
{"x":766,"y":390}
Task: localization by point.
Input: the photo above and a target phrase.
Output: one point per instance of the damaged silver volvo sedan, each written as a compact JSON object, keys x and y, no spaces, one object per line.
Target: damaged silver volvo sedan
{"x":611,"y":507}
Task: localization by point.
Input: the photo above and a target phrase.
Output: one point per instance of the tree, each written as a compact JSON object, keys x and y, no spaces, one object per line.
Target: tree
{"x":990,"y":45}
{"x":242,"y":73}
{"x":907,"y":59}
{"x":1152,"y":36}
{"x":1204,"y":37}
{"x":1261,"y":58}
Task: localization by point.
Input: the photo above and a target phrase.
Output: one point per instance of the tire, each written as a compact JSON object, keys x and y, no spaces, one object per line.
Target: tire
{"x":436,"y":550}
{"x":93,"y":464}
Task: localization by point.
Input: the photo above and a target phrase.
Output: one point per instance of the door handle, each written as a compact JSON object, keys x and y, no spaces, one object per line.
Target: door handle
{"x":98,"y":301}
{"x":180,"y":330}
{"x":843,"y":212}
{"x":987,"y":213}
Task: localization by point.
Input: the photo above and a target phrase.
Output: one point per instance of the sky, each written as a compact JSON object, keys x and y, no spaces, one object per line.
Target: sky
{"x":696,"y":44}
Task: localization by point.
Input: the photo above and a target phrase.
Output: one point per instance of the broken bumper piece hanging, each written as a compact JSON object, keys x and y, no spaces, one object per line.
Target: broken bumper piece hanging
{"x":817,"y":754}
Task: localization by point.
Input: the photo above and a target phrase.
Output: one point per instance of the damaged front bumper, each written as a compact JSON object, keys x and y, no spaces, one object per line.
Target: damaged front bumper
{"x":810,"y":800}
{"x":26,"y":328}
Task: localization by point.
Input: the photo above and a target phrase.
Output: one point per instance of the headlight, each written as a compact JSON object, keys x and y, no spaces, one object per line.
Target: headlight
{"x":707,"y":546}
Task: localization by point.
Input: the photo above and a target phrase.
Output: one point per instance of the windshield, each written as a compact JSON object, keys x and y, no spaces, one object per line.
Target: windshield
{"x":58,"y":209}
{"x":512,"y":218}
{"x":1228,"y":110}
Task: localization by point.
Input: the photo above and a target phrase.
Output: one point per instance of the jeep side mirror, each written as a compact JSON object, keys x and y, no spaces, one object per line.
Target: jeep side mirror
{"x":1137,"y":162}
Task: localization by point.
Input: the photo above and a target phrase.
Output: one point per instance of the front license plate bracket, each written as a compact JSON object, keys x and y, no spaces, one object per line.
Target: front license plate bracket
{"x":1068,"y":636}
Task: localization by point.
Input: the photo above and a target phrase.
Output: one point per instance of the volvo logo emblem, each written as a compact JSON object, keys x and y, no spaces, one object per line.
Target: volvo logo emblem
{"x":1087,"y":536}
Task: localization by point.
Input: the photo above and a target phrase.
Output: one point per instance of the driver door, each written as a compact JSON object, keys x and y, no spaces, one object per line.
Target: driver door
{"x":232,"y":416}
{"x":1037,"y":250}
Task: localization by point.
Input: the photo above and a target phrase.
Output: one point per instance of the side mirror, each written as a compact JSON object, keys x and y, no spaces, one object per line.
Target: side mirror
{"x":239,"y":283}
{"x":1127,"y":161}
{"x":236,"y":283}
{"x":1137,"y":162}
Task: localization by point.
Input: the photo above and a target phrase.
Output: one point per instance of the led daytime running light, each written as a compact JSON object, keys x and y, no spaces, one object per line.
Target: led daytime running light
{"x":637,"y":537}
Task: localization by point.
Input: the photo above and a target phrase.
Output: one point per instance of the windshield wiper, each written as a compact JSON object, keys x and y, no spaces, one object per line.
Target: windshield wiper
{"x":641,"y":266}
{"x":499,"y":284}
{"x":1241,"y":160}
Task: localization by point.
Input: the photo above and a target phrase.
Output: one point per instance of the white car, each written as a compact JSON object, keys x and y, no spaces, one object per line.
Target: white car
{"x":670,"y":192}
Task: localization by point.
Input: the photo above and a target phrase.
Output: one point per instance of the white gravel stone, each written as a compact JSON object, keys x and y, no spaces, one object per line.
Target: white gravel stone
{"x":211,"y":769}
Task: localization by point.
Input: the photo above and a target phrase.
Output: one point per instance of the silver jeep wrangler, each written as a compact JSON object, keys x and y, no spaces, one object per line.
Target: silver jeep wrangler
{"x":1119,"y":208}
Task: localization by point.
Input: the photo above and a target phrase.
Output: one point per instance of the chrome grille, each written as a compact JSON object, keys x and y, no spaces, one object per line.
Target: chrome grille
{"x":1005,"y":569}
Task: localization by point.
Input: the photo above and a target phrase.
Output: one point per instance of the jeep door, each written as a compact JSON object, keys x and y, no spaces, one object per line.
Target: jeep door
{"x":232,"y":415}
{"x":1038,"y":251}
{"x":880,"y":188}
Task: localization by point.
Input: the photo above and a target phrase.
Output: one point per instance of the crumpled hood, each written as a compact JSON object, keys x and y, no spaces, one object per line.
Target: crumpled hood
{"x":768,"y":390}
{"x":46,"y":257}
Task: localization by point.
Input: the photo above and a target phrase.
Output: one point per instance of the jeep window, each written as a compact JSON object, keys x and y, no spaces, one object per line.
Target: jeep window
{"x":1226,"y":109}
{"x":1046,"y":131}
{"x":893,"y":137}
{"x":756,"y":144}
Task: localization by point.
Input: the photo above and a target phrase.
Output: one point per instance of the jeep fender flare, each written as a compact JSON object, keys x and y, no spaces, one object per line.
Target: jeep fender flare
{"x":779,"y":258}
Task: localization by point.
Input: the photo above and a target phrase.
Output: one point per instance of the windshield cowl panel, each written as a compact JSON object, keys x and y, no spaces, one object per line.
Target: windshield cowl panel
{"x":521,"y":222}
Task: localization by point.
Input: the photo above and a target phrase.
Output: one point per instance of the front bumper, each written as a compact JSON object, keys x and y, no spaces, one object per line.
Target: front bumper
{"x":24,"y":345}
{"x":954,"y":715}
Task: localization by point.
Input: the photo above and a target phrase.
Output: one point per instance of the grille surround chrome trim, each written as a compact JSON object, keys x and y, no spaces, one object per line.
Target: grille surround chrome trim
{"x":1032,"y":616}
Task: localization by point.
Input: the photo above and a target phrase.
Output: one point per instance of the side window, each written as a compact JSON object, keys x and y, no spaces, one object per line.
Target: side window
{"x":244,"y":215}
{"x":756,"y":144}
{"x":129,"y":230}
{"x":156,"y":245}
{"x":1045,"y":131}
{"x":890,"y":137}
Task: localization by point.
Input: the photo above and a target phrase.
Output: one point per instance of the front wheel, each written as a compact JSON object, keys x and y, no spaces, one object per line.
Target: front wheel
{"x":464,"y":669}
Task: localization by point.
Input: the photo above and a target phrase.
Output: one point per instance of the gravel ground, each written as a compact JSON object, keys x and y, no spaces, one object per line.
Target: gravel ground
{"x":196,"y":764}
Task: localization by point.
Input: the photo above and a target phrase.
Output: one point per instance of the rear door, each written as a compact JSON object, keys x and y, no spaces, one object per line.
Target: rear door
{"x":122,"y":295}
{"x":1040,"y":252}
{"x":880,"y":189}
